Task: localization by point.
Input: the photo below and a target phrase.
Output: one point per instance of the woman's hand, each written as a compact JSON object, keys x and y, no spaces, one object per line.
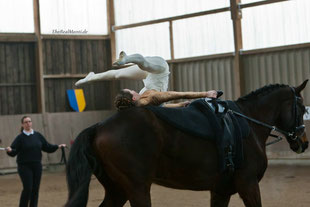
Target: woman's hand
{"x":8,"y":149}
{"x":62,"y":145}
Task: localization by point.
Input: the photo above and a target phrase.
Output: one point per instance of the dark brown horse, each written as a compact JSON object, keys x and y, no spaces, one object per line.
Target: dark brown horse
{"x":133,"y":149}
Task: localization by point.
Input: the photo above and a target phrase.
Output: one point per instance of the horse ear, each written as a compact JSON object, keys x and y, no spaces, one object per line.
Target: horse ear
{"x":301,"y":87}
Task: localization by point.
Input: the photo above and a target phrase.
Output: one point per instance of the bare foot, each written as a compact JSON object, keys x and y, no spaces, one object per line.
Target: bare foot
{"x":85,"y":80}
{"x":121,"y":60}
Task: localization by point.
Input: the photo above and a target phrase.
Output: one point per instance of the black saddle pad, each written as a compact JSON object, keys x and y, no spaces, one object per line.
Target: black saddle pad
{"x":197,"y":119}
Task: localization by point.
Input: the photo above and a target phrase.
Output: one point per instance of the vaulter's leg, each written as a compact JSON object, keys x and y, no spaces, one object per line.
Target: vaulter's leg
{"x":131,"y":73}
{"x":150,"y":64}
{"x":219,"y":200}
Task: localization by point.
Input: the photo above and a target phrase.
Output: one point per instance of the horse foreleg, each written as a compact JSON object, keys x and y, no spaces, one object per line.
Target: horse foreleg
{"x":219,"y":200}
{"x":250,"y":194}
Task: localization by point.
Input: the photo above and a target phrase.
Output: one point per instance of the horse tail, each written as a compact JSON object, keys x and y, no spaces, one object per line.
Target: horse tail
{"x":79,"y":168}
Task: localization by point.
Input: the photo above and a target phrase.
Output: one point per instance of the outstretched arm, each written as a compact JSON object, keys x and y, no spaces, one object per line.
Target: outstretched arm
{"x":177,"y":105}
{"x":153,"y":97}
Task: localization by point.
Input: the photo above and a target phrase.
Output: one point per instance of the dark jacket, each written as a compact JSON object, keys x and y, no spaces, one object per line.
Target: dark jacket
{"x":28,"y":148}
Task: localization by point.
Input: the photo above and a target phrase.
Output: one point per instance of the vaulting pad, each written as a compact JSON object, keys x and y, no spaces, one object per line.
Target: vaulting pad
{"x":197,"y":119}
{"x":76,"y":99}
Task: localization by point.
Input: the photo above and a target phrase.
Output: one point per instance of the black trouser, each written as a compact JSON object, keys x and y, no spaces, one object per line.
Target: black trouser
{"x":30,"y":175}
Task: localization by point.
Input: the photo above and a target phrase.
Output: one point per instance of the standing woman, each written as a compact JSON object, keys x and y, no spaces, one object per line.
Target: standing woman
{"x":28,"y":146}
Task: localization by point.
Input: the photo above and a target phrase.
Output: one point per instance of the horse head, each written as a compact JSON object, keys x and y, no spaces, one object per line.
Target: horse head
{"x":290,"y":119}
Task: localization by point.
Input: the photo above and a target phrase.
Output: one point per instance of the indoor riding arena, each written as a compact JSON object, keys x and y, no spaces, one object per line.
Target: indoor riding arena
{"x":257,"y":52}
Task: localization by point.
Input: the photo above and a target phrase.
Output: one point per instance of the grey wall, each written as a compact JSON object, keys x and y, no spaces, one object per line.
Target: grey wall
{"x":290,"y":67}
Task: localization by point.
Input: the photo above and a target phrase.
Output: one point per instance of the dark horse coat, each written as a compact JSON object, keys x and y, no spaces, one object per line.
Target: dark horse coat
{"x":133,"y":149}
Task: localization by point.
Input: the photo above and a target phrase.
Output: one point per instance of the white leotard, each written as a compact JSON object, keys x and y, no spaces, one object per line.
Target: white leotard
{"x":158,"y":82}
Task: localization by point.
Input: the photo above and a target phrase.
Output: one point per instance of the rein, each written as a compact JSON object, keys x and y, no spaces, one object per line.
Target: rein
{"x":273,"y":128}
{"x":63,"y":156}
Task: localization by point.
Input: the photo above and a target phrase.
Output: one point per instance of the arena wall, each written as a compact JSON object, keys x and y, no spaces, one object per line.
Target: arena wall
{"x":17,"y":78}
{"x":282,"y":65}
{"x":64,"y":62}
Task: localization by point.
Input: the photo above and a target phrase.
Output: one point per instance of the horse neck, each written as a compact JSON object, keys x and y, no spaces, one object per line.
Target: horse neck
{"x":265,"y":109}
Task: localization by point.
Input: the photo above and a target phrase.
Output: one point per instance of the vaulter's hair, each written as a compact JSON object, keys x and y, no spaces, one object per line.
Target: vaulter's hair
{"x":123,"y":100}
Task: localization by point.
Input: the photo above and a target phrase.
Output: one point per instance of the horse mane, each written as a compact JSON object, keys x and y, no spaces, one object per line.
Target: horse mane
{"x":262,"y":91}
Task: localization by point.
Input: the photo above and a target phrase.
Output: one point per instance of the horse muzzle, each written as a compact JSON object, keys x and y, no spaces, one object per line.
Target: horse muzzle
{"x":300,"y":143}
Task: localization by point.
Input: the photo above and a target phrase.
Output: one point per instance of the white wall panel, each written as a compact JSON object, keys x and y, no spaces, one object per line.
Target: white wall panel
{"x":73,"y":17}
{"x":132,"y":11}
{"x":150,"y":40}
{"x":203,"y":35}
{"x":290,"y":67}
{"x":276,"y":24}
{"x":16,"y":16}
{"x":203,"y":75}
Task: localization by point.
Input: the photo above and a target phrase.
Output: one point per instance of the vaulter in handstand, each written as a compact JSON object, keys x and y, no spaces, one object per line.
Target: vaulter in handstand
{"x":154,"y":71}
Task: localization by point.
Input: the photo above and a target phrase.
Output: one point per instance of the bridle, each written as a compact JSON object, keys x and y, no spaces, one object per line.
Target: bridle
{"x":290,"y":135}
{"x":297,"y":129}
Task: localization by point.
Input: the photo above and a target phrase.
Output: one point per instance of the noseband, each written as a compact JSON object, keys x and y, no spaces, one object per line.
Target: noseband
{"x":291,"y":135}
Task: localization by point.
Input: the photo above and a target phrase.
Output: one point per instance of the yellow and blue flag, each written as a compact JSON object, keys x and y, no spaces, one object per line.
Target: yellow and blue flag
{"x":76,"y":99}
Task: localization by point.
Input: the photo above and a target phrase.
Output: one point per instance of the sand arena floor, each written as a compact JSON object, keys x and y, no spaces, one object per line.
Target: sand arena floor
{"x":283,"y":186}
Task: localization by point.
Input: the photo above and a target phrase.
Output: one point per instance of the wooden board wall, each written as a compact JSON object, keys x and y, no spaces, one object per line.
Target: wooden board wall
{"x":17,"y":78}
{"x":75,"y":57}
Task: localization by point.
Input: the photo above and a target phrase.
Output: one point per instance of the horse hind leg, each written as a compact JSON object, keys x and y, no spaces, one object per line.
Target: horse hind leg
{"x":137,"y":194}
{"x":114,"y":196}
{"x":113,"y":199}
{"x":219,"y":200}
{"x":137,"y":191}
{"x":141,"y":196}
